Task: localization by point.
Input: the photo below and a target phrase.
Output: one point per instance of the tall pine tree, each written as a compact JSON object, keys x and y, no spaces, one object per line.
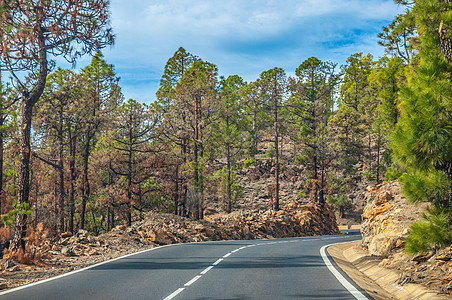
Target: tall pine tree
{"x":422,"y":141}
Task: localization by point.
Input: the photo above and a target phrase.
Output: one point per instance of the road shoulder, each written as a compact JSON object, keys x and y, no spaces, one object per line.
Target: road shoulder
{"x":378,"y":282}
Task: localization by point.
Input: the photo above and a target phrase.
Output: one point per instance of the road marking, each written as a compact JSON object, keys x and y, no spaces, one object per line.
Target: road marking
{"x":81,"y":270}
{"x":206,"y":270}
{"x":174,"y":294}
{"x":354,"y":291}
{"x":193,"y":280}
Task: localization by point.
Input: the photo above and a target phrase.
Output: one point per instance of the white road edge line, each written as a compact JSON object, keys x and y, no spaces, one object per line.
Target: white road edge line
{"x":80,"y":270}
{"x":206,"y":270}
{"x":193,"y":280}
{"x":176,"y":292}
{"x":357,"y":294}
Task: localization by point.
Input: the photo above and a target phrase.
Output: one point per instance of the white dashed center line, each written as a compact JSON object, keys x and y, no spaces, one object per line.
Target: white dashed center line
{"x":178,"y":291}
{"x":206,"y":270}
{"x":193,"y":280}
{"x":174,"y":294}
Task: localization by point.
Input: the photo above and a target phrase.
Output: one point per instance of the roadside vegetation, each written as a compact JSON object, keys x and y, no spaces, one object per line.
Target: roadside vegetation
{"x":74,"y":154}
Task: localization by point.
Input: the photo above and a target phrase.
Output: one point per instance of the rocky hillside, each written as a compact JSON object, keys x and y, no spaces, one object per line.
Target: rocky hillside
{"x":386,"y":221}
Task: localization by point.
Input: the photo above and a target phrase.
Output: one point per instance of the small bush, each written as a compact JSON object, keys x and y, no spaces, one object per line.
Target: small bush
{"x":392,"y":174}
{"x":433,"y":233}
{"x":249,"y":162}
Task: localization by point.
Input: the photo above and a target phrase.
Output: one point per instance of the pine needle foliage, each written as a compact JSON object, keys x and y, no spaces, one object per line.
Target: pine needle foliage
{"x":422,"y":140}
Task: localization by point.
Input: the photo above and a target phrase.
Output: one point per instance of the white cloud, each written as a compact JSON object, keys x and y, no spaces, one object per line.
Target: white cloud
{"x":243,"y":37}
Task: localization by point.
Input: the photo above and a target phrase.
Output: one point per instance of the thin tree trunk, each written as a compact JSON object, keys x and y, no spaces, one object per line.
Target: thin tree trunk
{"x":108,"y":218}
{"x":378,"y":156}
{"x":229,"y":183}
{"x":61,"y":176}
{"x":176,"y":191}
{"x":196,"y":154}
{"x":85,"y":186}
{"x":1,"y":160}
{"x":276,"y":125}
{"x":129,"y":187}
{"x":29,"y":100}
{"x":72,"y":150}
{"x":2,"y":119}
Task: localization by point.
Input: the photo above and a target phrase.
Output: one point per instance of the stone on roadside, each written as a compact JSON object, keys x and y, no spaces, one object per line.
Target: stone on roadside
{"x":8,"y":264}
{"x":3,"y":284}
{"x":68,"y":251}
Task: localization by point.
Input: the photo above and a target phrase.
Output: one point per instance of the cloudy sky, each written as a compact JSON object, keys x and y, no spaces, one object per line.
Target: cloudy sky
{"x":243,"y":37}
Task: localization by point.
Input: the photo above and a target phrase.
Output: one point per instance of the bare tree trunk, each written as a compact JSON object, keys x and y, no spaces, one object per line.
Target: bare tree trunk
{"x":72,"y":153}
{"x":2,"y":118}
{"x":29,"y":100}
{"x":20,"y":224}
{"x":61,"y":191}
{"x":229,"y":183}
{"x":276,"y":125}
{"x":85,"y":186}
{"x":129,"y":186}
{"x":1,"y":160}
{"x":254,"y":142}
{"x":176,"y":190}
{"x":196,"y":155}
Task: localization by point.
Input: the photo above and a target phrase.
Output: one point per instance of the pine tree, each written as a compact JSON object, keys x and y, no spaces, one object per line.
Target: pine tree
{"x":229,"y":137}
{"x":274,"y":84}
{"x":310,"y":106}
{"x":422,"y":141}
{"x":132,"y":133}
{"x":29,"y":34}
{"x":195,"y":97}
{"x":101,"y":97}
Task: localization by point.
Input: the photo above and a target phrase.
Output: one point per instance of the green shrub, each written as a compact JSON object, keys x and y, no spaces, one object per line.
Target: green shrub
{"x":392,"y":174}
{"x":433,"y":233}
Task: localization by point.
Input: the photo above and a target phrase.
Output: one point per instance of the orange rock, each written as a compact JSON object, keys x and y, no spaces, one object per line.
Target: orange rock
{"x":383,"y":198}
{"x":377,"y":210}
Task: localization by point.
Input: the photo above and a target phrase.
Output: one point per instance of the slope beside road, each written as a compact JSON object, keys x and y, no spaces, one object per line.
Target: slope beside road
{"x":266,"y":269}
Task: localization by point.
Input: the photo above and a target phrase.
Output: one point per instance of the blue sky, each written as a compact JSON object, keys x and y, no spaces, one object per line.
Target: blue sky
{"x":243,"y":37}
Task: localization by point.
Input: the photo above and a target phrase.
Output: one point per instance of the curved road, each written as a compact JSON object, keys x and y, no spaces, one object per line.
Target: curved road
{"x":266,"y":269}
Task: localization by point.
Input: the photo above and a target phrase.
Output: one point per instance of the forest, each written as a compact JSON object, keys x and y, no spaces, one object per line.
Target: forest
{"x":74,"y":154}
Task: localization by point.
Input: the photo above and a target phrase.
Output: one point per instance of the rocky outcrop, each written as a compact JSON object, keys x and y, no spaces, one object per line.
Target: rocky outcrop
{"x":295,"y":220}
{"x":386,"y":218}
{"x":386,"y":221}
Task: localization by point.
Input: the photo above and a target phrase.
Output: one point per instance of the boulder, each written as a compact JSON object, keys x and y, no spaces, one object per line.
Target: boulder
{"x":68,"y":250}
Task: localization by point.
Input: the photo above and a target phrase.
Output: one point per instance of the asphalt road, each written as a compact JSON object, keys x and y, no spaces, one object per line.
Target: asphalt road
{"x":266,"y":269}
